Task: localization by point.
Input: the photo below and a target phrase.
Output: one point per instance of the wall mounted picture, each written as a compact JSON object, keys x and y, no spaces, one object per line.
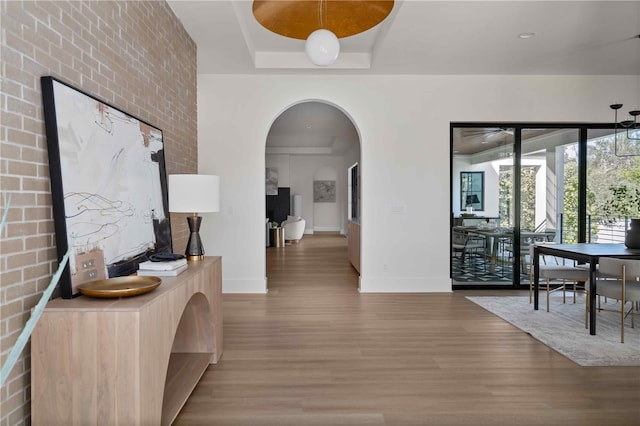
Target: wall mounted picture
{"x":324,"y":191}
{"x":271,"y":177}
{"x":471,"y":191}
{"x":108,"y":182}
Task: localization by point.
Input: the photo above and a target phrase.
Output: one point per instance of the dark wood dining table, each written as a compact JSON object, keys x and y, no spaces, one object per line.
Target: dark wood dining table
{"x":582,"y":253}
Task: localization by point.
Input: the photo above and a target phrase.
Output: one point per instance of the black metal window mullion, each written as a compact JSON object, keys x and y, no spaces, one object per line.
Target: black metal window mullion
{"x":517,"y":199}
{"x":582,"y":186}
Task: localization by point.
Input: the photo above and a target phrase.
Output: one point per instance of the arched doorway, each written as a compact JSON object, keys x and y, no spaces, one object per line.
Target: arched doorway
{"x":309,"y":151}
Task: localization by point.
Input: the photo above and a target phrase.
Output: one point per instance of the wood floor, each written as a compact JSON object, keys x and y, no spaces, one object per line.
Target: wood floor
{"x":314,"y":351}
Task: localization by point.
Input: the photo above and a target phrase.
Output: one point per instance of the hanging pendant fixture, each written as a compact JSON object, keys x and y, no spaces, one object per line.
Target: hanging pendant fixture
{"x":321,"y":23}
{"x":322,"y":46}
{"x":631,"y":126}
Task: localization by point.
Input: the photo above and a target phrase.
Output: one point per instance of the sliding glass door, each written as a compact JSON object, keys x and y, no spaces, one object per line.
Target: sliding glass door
{"x":513,"y":185}
{"x":482,"y":205}
{"x":612,"y":172}
{"x":548,"y":190}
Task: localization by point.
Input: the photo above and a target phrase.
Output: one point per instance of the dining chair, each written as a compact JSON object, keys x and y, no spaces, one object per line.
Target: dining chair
{"x":467,"y":245}
{"x":618,"y":279}
{"x":477,"y":246}
{"x":458,"y":244}
{"x":527,"y":239}
{"x":561,"y":272}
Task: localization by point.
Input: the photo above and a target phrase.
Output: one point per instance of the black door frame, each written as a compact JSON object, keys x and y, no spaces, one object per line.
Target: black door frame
{"x":582,"y":128}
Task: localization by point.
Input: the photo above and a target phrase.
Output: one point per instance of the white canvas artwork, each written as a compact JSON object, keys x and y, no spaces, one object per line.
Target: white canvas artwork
{"x":110,"y":172}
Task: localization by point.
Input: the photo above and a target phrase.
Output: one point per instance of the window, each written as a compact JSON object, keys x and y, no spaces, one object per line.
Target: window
{"x":471,"y":191}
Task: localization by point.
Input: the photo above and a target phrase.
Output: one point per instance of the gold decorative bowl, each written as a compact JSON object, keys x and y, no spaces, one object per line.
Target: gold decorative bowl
{"x":119,"y":286}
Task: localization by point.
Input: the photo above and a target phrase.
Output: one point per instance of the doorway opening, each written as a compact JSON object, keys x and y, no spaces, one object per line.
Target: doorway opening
{"x":535,"y":183}
{"x":310,"y":149}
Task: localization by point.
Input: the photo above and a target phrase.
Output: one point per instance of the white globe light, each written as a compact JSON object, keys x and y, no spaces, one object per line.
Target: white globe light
{"x":322,"y":47}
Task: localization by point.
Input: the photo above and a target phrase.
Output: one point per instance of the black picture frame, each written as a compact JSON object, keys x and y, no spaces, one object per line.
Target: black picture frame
{"x":472,"y":190}
{"x":108,"y":186}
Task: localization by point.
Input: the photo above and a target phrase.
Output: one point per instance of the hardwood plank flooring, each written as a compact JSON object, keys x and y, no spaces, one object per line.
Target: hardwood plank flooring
{"x":314,"y":351}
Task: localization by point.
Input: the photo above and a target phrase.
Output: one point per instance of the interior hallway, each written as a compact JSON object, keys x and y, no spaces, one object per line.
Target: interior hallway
{"x":313,"y":351}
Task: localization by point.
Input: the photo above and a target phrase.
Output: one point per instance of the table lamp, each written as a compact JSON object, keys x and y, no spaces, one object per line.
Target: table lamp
{"x":471,"y":200}
{"x":191,"y":193}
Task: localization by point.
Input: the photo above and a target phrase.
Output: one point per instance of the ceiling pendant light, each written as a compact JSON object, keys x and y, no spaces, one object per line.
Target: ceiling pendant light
{"x":322,"y":46}
{"x":631,"y":125}
{"x":307,"y":20}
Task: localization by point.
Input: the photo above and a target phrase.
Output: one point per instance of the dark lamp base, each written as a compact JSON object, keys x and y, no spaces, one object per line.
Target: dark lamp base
{"x":195,"y":249}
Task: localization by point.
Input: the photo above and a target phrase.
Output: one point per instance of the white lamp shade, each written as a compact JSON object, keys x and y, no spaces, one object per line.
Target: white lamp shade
{"x":194,"y":193}
{"x":322,"y":47}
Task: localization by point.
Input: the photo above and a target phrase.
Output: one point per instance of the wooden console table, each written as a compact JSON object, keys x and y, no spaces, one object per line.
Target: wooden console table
{"x":129,"y":361}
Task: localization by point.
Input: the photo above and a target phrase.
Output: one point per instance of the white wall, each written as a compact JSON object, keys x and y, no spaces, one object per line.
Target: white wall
{"x":491,"y":186}
{"x":326,"y":215}
{"x":281,"y":163}
{"x":403,"y":122}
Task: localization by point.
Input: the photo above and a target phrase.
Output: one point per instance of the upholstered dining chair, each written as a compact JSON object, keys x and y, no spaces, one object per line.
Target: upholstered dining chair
{"x":618,"y":279}
{"x":561,"y":272}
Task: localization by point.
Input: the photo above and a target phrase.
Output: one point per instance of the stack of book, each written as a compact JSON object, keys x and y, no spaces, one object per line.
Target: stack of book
{"x":169,"y":268}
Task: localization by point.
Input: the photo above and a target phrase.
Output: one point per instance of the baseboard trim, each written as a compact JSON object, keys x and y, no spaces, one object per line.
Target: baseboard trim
{"x":326,"y":229}
{"x":244,"y":286}
{"x":405,"y":285}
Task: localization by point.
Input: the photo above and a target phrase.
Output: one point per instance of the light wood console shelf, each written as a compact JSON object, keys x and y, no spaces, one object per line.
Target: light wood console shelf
{"x":130,"y":361}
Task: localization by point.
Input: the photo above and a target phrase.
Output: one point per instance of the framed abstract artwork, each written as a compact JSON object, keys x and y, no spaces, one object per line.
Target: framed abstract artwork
{"x":108,"y":185}
{"x":324,"y":191}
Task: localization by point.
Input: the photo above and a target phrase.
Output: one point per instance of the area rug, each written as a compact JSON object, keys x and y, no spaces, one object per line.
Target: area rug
{"x":563,"y":329}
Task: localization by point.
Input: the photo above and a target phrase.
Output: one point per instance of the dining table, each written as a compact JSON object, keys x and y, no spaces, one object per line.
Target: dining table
{"x":583,"y":253}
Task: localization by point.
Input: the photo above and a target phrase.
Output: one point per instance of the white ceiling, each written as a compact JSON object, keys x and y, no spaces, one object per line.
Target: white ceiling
{"x":431,"y":37}
{"x":311,"y":128}
{"x":425,"y":37}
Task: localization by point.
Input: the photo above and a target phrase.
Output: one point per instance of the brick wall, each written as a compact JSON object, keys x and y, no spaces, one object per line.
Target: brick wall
{"x":135,"y":55}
